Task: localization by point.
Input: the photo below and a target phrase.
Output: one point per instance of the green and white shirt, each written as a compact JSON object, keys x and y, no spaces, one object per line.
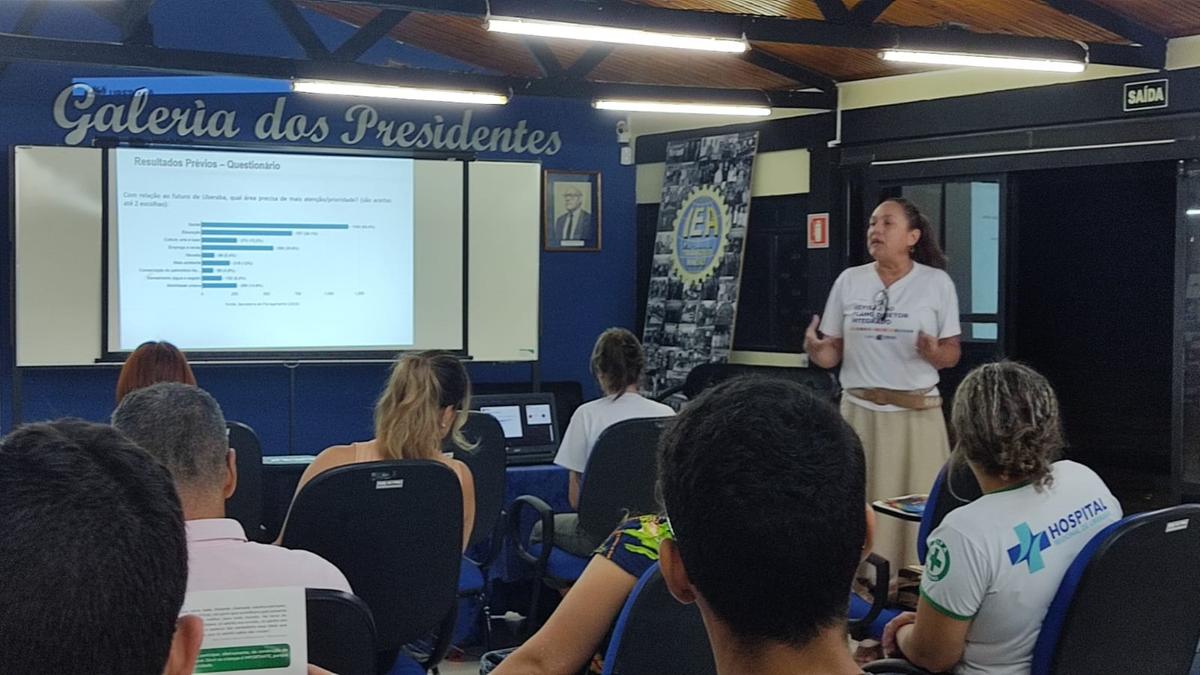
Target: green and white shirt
{"x":998,"y":561}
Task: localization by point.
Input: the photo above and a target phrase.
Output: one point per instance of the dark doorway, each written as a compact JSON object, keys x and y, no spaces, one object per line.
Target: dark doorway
{"x":1092,"y":291}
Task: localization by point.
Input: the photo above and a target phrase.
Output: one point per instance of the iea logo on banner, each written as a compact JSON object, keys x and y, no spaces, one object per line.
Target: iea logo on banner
{"x":1146,"y":95}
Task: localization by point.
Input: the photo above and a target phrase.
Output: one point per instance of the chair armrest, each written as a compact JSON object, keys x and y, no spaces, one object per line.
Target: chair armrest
{"x":893,"y":667}
{"x":883,"y":575}
{"x":668,"y":393}
{"x":546,"y":515}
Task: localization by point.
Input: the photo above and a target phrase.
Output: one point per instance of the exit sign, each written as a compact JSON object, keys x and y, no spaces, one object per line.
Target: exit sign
{"x":1147,"y":95}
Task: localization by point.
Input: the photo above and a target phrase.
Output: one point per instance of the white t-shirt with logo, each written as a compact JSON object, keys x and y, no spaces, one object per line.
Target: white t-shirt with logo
{"x":879,"y":326}
{"x":998,"y":561}
{"x":593,"y":417}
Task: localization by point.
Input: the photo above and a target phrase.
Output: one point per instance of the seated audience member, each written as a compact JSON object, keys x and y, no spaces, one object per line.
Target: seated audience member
{"x":764,"y":488}
{"x":182,"y":426}
{"x":425,"y":401}
{"x":617,"y":363}
{"x":574,"y":636}
{"x":93,"y":557}
{"x":771,"y":480}
{"x":153,"y":362}
{"x":994,"y":565}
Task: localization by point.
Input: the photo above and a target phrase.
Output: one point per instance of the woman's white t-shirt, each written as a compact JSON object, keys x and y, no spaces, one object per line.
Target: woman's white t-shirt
{"x":998,"y":561}
{"x":593,"y":417}
{"x":879,"y":326}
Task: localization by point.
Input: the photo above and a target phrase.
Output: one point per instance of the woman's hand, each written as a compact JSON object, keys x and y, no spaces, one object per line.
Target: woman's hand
{"x":927,"y":347}
{"x":940,"y":354}
{"x":823,"y":351}
{"x":890,"y":645}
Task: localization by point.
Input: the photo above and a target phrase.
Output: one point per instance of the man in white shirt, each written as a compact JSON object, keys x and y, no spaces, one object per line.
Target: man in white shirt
{"x":183,"y":427}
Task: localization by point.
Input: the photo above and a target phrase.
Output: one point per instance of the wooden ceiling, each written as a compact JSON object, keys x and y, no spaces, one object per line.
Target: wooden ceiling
{"x":465,"y":39}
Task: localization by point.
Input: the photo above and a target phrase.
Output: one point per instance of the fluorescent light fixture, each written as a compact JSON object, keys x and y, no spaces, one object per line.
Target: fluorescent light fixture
{"x":624,"y":36}
{"x":982,"y":61}
{"x":1193,"y":212}
{"x":634,"y":105}
{"x":404,"y":93}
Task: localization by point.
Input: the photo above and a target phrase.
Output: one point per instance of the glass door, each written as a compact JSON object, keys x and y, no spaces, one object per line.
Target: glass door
{"x":1186,"y":385}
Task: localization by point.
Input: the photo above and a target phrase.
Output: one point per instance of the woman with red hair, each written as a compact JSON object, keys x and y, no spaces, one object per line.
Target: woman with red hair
{"x":153,"y":362}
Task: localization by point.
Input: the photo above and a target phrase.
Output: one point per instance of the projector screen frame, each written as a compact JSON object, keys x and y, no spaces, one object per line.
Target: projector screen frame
{"x":107,"y":355}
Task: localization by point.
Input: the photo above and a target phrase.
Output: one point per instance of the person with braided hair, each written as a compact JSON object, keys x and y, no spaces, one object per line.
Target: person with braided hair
{"x":994,"y":565}
{"x":617,"y":363}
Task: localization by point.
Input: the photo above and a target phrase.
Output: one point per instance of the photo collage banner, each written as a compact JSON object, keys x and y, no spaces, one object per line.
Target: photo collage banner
{"x":698,"y":249}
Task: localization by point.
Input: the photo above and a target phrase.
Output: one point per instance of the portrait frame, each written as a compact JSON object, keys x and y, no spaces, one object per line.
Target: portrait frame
{"x":583,"y":233}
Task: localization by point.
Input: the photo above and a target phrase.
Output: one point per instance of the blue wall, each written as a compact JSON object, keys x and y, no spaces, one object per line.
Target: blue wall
{"x":582,"y":293}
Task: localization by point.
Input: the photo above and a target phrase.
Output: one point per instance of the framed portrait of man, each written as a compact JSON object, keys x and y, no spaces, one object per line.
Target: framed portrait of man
{"x":571,"y":211}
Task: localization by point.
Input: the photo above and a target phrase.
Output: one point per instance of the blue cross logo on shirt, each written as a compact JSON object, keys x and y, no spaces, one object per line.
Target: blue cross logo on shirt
{"x":1029,"y":547}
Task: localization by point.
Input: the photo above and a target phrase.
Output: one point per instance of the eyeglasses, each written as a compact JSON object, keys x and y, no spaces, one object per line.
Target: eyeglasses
{"x":879,"y":311}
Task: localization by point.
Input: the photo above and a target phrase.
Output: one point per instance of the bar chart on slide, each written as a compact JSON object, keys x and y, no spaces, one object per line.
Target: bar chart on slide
{"x":230,"y":253}
{"x":303,"y":251}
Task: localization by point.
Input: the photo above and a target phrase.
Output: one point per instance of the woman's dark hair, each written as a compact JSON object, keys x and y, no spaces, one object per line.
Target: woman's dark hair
{"x":151,"y":363}
{"x":927,"y":251}
{"x":617,"y":360}
{"x":1006,"y":420}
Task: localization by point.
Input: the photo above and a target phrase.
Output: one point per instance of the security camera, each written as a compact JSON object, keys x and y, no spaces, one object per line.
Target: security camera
{"x":623,"y":135}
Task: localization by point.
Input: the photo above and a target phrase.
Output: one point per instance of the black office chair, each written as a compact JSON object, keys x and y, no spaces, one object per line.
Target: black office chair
{"x":486,"y":460}
{"x":706,"y":375}
{"x":618,"y":482}
{"x":394,"y":529}
{"x":1127,"y":603}
{"x":954,"y":486}
{"x":656,"y":635}
{"x":341,"y":632}
{"x":246,"y":504}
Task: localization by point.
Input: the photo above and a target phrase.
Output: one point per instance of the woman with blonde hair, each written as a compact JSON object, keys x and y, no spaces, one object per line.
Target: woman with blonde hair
{"x":425,"y":401}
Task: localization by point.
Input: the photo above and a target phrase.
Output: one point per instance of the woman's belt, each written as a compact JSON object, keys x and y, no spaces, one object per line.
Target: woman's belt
{"x":910,"y":400}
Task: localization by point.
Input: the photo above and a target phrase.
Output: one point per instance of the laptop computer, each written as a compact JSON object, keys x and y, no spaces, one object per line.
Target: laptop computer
{"x":529,"y":421}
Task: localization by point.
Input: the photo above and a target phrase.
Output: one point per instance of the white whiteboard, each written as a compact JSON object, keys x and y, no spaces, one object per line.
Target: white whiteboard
{"x":59,"y":212}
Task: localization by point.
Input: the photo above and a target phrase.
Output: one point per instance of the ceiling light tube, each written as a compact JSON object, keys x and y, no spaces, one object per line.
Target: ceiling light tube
{"x":1193,"y":212}
{"x":982,"y":60}
{"x":696,"y":108}
{"x":624,"y":36}
{"x":403,"y":93}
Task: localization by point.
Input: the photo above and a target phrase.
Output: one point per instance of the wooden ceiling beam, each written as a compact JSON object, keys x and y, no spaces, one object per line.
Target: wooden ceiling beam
{"x":788,"y":69}
{"x":369,"y":34}
{"x":866,"y":12}
{"x":784,"y":30}
{"x":1110,"y":21}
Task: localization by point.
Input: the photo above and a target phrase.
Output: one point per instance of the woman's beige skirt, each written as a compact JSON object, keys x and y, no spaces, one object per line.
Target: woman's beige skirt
{"x":904,"y":452}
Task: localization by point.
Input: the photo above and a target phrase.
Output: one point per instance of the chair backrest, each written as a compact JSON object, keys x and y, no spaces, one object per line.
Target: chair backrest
{"x":706,"y":375}
{"x":947,"y":494}
{"x":487,"y":464}
{"x":341,"y":631}
{"x":655,"y":634}
{"x":1127,"y":604}
{"x":618,"y":480}
{"x":246,"y":504}
{"x":395,"y":530}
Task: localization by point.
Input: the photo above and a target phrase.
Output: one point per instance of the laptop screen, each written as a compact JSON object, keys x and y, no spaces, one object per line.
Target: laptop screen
{"x":527,"y":420}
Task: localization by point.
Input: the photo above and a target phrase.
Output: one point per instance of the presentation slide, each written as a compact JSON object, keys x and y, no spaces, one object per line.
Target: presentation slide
{"x":244,"y":251}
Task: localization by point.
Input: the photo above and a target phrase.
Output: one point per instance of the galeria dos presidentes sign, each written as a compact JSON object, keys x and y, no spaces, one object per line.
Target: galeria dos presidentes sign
{"x":78,"y":111}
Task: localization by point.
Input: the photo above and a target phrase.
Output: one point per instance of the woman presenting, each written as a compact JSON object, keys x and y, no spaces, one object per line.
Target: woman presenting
{"x":892,"y":325}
